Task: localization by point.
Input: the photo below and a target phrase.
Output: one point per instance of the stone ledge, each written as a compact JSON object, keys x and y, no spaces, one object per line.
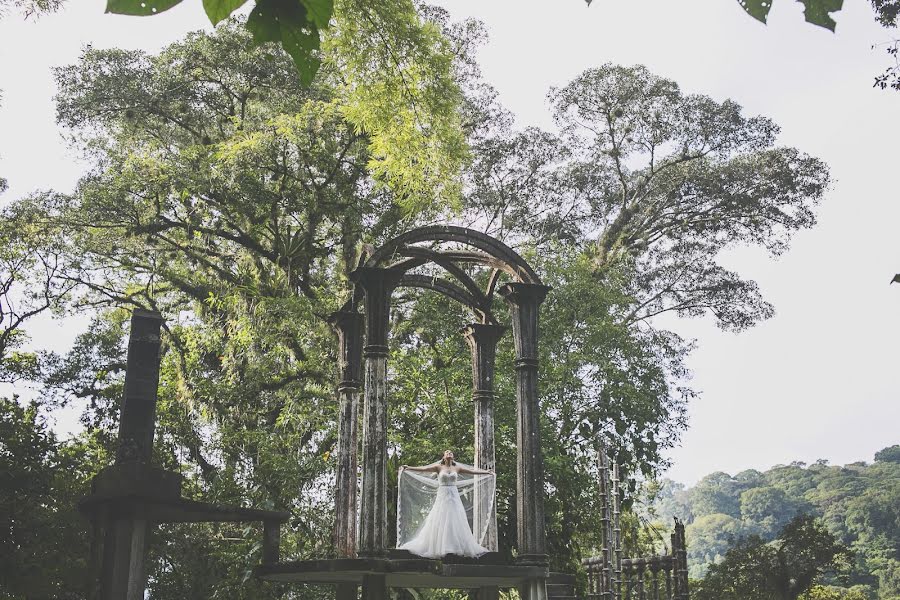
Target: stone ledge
{"x":450,"y":572}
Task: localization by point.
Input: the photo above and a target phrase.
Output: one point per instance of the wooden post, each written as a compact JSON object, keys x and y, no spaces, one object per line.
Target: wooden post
{"x":525,"y":301}
{"x":349,"y":328}
{"x":378,"y":284}
{"x":122,"y":571}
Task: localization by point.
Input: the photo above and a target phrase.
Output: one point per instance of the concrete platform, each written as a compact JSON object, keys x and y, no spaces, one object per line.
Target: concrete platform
{"x":402,"y":569}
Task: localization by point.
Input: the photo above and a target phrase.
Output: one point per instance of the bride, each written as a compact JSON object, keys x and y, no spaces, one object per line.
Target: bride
{"x":445,"y":529}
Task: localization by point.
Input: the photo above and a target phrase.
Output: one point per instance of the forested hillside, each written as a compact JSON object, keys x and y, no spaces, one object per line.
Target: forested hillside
{"x":859,"y":504}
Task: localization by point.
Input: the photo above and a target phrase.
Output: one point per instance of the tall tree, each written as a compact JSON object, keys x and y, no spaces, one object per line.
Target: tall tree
{"x":653,"y":183}
{"x":43,"y":541}
{"x":31,"y":259}
{"x":782,"y":570}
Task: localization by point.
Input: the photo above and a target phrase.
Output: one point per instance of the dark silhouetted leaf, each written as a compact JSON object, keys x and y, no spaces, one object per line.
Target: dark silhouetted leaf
{"x":817,"y":12}
{"x":288,"y":22}
{"x":319,"y":11}
{"x":263,"y":22}
{"x":219,"y":10}
{"x":140,"y":8}
{"x":758,"y":9}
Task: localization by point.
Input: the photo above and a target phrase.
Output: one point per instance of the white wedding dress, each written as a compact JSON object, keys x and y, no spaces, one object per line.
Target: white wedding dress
{"x":445,"y":530}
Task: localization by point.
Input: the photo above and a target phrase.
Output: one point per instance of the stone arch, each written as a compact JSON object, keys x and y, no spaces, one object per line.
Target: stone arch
{"x":380,"y":272}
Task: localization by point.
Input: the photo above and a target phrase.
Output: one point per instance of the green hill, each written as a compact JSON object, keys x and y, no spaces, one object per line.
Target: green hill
{"x":859,"y":503}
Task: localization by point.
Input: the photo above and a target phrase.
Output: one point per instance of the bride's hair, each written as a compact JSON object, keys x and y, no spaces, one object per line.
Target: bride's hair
{"x":444,"y":461}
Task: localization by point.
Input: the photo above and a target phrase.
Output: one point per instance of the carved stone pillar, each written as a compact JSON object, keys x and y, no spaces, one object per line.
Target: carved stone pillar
{"x":349,"y":327}
{"x":679,"y":551}
{"x":482,"y":340}
{"x":525,"y":301}
{"x":125,"y":530}
{"x":138,"y":416}
{"x":378,"y":285}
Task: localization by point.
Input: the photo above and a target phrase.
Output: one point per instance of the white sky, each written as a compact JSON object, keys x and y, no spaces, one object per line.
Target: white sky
{"x":819,"y":380}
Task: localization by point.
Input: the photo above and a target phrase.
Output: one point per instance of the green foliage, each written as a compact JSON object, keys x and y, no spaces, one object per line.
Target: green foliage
{"x":645,"y":170}
{"x":886,"y":11}
{"x":832,"y":592}
{"x":784,"y":569}
{"x":43,"y":541}
{"x":300,"y":24}
{"x":31,"y":252}
{"x":716,"y":494}
{"x":767,"y":509}
{"x":296,"y":24}
{"x":397,"y":84}
{"x":817,"y":12}
{"x":219,"y":10}
{"x":287,"y":23}
{"x":858,"y":503}
{"x":889,"y":454}
{"x":30,"y":8}
{"x":709,"y":538}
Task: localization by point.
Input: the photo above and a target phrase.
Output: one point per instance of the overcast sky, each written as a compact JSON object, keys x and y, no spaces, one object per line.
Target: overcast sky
{"x":820,"y":379}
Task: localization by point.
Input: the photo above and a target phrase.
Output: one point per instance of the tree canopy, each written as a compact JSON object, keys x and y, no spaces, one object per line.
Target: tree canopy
{"x":857,"y":503}
{"x":784,"y":569}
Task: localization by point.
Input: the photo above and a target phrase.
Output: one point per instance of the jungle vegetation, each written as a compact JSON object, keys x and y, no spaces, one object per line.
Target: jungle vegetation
{"x":730,"y":518}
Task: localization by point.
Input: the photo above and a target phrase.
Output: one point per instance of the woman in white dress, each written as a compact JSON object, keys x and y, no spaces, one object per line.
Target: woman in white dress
{"x":446,"y":529}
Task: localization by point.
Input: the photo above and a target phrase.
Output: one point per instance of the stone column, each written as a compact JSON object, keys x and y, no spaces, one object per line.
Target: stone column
{"x":679,"y":550}
{"x":378,"y":285}
{"x":138,"y":415}
{"x":482,"y":340}
{"x":125,"y":530}
{"x":349,"y":328}
{"x":525,"y":301}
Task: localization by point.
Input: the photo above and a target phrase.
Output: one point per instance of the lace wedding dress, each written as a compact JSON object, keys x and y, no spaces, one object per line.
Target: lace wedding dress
{"x":460,"y":504}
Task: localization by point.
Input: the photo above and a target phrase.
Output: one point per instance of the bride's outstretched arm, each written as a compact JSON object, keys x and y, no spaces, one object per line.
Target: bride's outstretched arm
{"x":474,"y":471}
{"x":433,"y":468}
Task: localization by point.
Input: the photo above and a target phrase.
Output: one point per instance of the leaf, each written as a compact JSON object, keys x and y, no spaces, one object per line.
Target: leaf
{"x":263,"y":22}
{"x":758,"y":9}
{"x":219,"y":10}
{"x":302,"y":43}
{"x":319,"y":11}
{"x":139,"y":8}
{"x":817,"y":12}
{"x":288,"y":22}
